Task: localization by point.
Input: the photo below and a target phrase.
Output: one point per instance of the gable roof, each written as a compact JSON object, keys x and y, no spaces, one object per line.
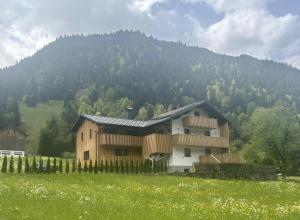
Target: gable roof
{"x":101,"y":120}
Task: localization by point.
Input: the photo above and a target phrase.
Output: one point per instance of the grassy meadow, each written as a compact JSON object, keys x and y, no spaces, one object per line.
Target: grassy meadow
{"x":117,"y":196}
{"x":34,"y":119}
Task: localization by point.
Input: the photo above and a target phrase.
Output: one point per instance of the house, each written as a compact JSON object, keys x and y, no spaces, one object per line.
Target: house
{"x":13,"y":139}
{"x":180,"y":136}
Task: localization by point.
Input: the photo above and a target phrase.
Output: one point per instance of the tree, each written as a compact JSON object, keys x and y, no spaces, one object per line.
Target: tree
{"x":54,"y":168}
{"x":34,"y":165}
{"x":90,"y":166}
{"x":11,"y":167}
{"x":111,"y":167}
{"x":101,"y":166}
{"x":4,"y":165}
{"x":40,"y":165}
{"x":106,"y":166}
{"x":27,"y":166}
{"x":19,"y":167}
{"x":85,"y":167}
{"x":48,"y":166}
{"x":67,"y":169}
{"x":117,"y":166}
{"x":60,"y":166}
{"x":96,"y":167}
{"x":142,"y":114}
{"x":79,"y":167}
{"x":73,"y":166}
{"x":275,"y":134}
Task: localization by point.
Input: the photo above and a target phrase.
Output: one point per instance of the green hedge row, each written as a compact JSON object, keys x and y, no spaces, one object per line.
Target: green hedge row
{"x":235,"y":171}
{"x":56,"y":165}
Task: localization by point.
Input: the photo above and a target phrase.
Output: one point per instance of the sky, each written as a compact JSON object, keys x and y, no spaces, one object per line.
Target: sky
{"x":266,"y":29}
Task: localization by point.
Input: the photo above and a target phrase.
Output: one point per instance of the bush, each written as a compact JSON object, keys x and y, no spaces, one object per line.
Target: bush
{"x":122,"y":167}
{"x":90,"y":166}
{"x":40,"y":167}
{"x":106,"y":166}
{"x":111,"y":166}
{"x":85,"y":167}
{"x":136,"y":167}
{"x":11,"y":167}
{"x":48,"y":166}
{"x":19,"y":168}
{"x":54,"y":168}
{"x":79,"y":167}
{"x":126,"y":166}
{"x":34,"y":165}
{"x":96,"y":167}
{"x":101,"y":166}
{"x":67,"y":169}
{"x":117,"y":166}
{"x":60,"y":166}
{"x":4,"y":165}
{"x":27,"y":166}
{"x":141,"y":166}
{"x":73,"y":166}
{"x":131,"y":167}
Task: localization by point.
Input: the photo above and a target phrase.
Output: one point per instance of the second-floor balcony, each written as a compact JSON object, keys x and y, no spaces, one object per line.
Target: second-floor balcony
{"x":120,"y":140}
{"x":200,"y":122}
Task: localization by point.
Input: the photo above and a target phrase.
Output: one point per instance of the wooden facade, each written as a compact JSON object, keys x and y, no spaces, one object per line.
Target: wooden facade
{"x":200,"y":122}
{"x":121,"y":140}
{"x":157,"y":144}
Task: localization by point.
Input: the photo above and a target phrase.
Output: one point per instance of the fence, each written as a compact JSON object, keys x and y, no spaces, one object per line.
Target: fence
{"x":12,"y":153}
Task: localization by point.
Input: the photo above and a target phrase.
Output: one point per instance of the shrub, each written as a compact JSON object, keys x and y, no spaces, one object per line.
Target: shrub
{"x":60,"y":166}
{"x":40,"y":167}
{"x":34,"y":165}
{"x":117,"y":166}
{"x":122,"y":166}
{"x":165,"y":166}
{"x":101,"y":166}
{"x":96,"y":167}
{"x":131,"y":167}
{"x":19,"y":168}
{"x":54,"y":168}
{"x":141,"y":166}
{"x":79,"y":167}
{"x":4,"y":165}
{"x":106,"y":166}
{"x":48,"y":166}
{"x":126,"y":166}
{"x":11,"y":167}
{"x":111,"y":167}
{"x":136,"y":167}
{"x":67,"y":169}
{"x":85,"y":167}
{"x":27,"y":166}
{"x":90,"y":166}
{"x":73,"y":166}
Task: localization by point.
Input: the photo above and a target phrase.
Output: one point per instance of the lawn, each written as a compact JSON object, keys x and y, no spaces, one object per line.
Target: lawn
{"x":34,"y":119}
{"x":117,"y":196}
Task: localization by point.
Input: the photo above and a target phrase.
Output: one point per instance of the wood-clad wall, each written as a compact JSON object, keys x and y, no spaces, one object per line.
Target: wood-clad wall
{"x":157,"y":143}
{"x":200,"y":122}
{"x":118,"y":139}
{"x":224,"y":130}
{"x":203,"y":141}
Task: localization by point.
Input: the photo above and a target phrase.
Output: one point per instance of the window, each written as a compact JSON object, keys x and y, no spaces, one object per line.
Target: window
{"x":207,"y":133}
{"x":86,"y":155}
{"x":197,"y":113}
{"x":121,"y":152}
{"x":186,"y":170}
{"x":187,"y":131}
{"x":91,"y":133}
{"x":207,"y":151}
{"x":187,"y":152}
{"x":81,"y":136}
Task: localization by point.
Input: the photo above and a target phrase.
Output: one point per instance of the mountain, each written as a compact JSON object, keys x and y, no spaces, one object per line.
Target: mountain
{"x":148,"y":72}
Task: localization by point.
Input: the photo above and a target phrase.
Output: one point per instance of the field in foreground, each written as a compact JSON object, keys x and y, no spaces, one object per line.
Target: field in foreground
{"x":34,"y":119}
{"x":112,"y":196}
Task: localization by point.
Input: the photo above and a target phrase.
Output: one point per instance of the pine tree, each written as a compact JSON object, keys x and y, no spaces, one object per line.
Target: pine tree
{"x":11,"y":167}
{"x":85,"y":167}
{"x":34,"y":165}
{"x":54,"y":168}
{"x":73,"y":166}
{"x":19,"y":168}
{"x":141,"y":167}
{"x":101,"y":166}
{"x":111,"y":167}
{"x":4,"y":165}
{"x":48,"y":166}
{"x":126,"y":166}
{"x":106,"y":166}
{"x":122,"y":167}
{"x":67,"y":169}
{"x":117,"y":166}
{"x":27,"y":166}
{"x":96,"y":167}
{"x":136,"y":167}
{"x":90,"y":166}
{"x":79,"y":167}
{"x":40,"y":168}
{"x":131,"y":167}
{"x":60,"y":166}
{"x":165,"y":166}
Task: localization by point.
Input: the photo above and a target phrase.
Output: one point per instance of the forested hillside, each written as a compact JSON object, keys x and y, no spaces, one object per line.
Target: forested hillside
{"x":103,"y":74}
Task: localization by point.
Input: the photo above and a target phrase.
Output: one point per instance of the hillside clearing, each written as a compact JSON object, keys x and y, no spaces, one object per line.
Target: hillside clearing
{"x":112,"y":196}
{"x":34,"y":119}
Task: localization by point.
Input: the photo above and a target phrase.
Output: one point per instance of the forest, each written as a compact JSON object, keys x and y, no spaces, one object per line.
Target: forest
{"x":105,"y":73}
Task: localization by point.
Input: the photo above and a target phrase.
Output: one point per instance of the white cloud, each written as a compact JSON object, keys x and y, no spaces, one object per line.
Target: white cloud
{"x":142,"y":5}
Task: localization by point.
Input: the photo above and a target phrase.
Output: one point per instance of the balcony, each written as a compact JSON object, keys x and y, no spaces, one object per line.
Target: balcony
{"x":200,"y":122}
{"x":202,"y":141}
{"x":157,"y":144}
{"x":120,"y":140}
{"x":113,"y":159}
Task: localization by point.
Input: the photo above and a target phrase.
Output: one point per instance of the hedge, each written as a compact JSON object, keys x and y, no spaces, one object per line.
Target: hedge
{"x":235,"y":171}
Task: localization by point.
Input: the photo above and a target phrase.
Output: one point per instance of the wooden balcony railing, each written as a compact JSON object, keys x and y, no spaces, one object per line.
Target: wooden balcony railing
{"x":221,"y":158}
{"x":120,"y":140}
{"x":157,"y":144}
{"x":200,"y":122}
{"x":202,"y":141}
{"x":113,"y":158}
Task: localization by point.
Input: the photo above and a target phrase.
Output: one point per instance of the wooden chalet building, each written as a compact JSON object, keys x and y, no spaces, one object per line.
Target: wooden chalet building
{"x":181,"y":136}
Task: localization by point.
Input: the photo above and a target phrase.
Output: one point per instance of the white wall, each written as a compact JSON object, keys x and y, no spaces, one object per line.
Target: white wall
{"x":177,"y":158}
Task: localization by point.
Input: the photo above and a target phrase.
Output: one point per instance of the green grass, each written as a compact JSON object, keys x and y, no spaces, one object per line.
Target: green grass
{"x":113,"y":196}
{"x":34,"y":119}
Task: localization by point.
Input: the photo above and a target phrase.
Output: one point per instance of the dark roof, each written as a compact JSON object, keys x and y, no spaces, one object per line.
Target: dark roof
{"x":156,"y":120}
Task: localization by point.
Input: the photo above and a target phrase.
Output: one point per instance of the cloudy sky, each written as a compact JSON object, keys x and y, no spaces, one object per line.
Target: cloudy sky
{"x":267,"y":29}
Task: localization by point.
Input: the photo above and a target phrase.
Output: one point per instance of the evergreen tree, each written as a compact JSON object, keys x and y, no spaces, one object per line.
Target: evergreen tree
{"x":111,"y":167}
{"x":79,"y":167}
{"x":4,"y":165}
{"x":141,"y":167}
{"x":54,"y":168}
{"x":96,"y":167}
{"x":106,"y":166}
{"x":34,"y":165}
{"x":136,"y":167}
{"x":117,"y":166}
{"x":122,"y":167}
{"x":67,"y":169}
{"x":126,"y":166}
{"x":165,"y":166}
{"x":101,"y":166}
{"x":131,"y":167}
{"x":73,"y":166}
{"x":85,"y":167}
{"x":27,"y":166}
{"x":60,"y":166}
{"x":11,"y":167}
{"x":19,"y":168}
{"x":40,"y":167}
{"x":48,"y":166}
{"x":90,"y":166}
